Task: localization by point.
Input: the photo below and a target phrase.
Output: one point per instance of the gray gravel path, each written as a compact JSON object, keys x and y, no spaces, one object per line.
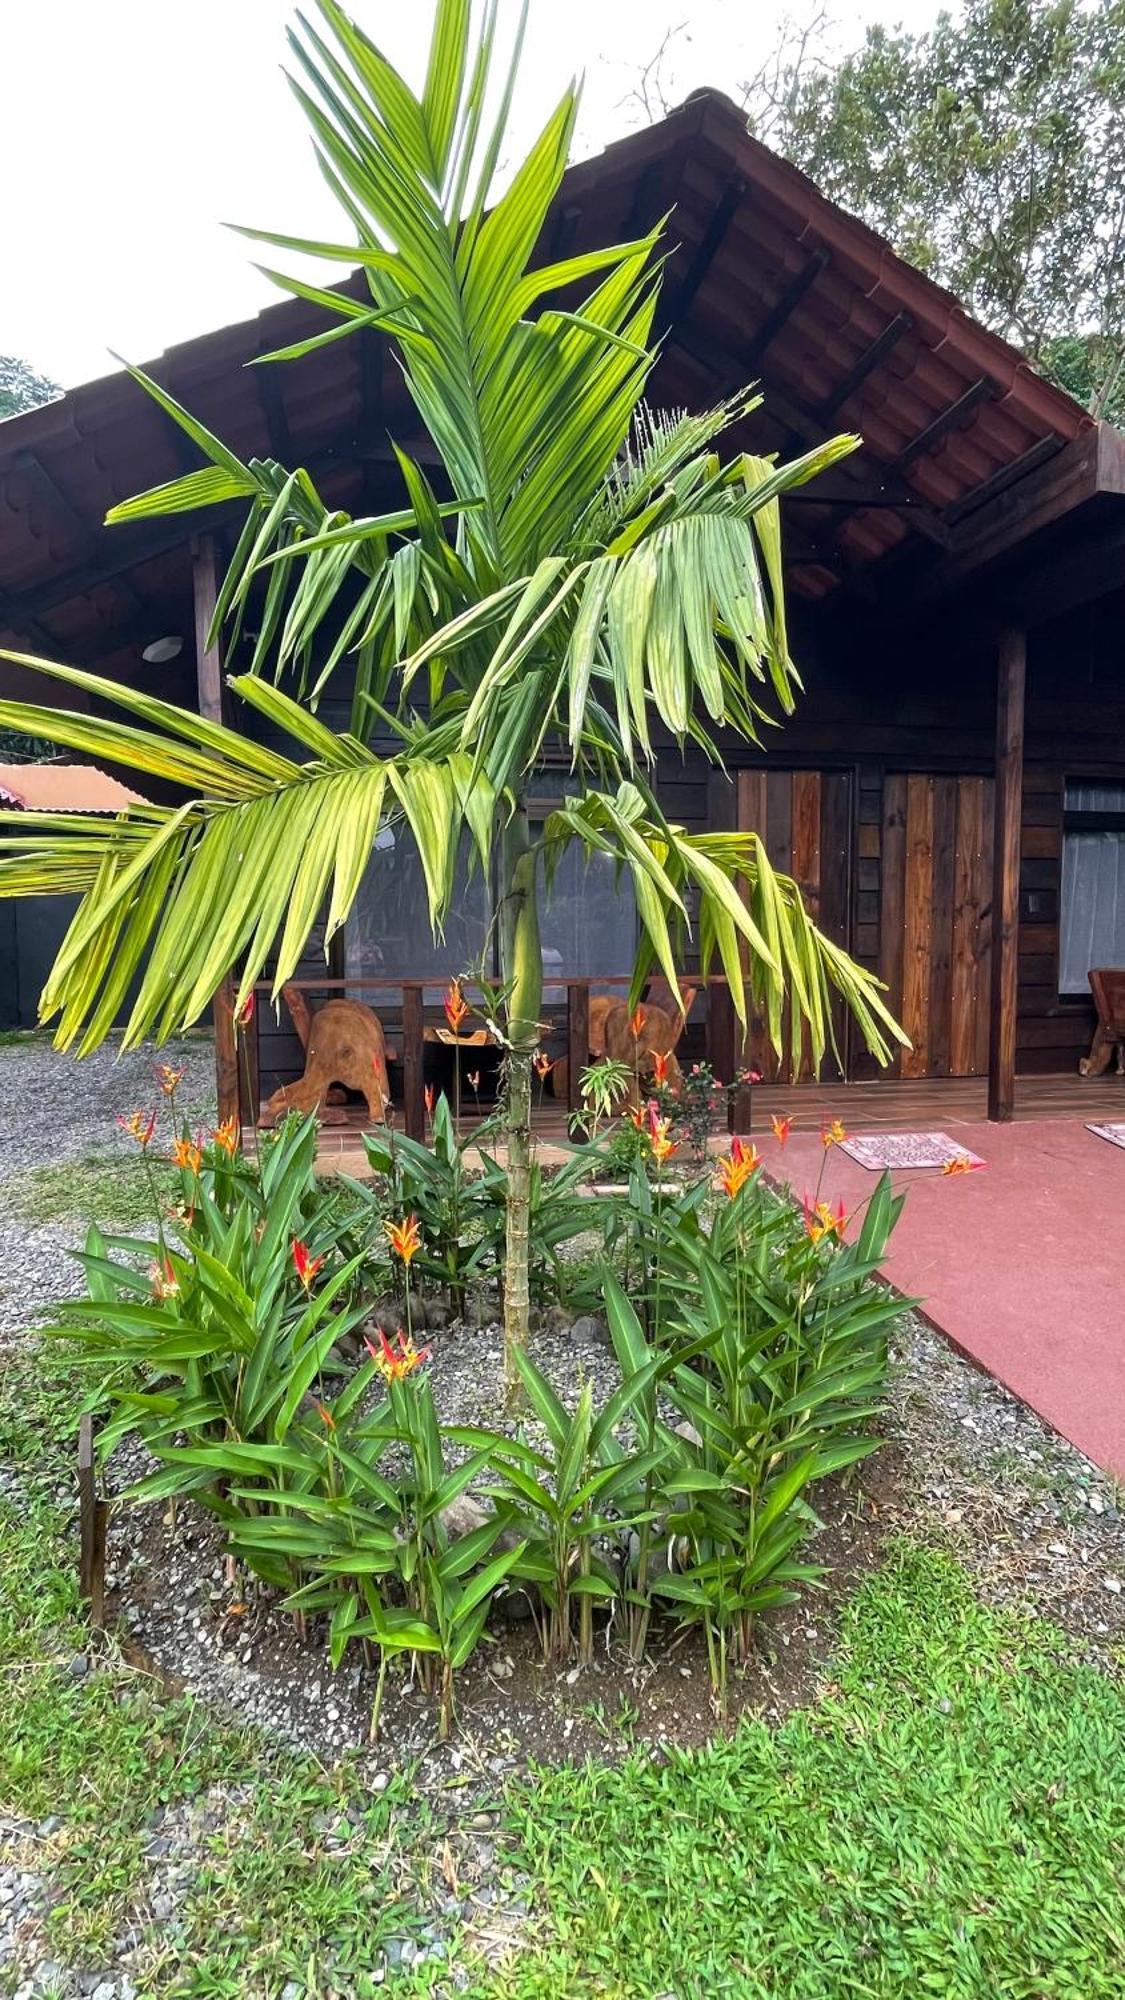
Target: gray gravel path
{"x":54,"y":1108}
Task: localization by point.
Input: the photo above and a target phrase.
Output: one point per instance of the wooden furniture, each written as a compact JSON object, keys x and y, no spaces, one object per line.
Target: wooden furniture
{"x":1108,"y":989}
{"x":344,"y":1045}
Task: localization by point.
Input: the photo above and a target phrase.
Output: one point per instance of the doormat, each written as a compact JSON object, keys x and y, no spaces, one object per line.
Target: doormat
{"x":877,"y":1150}
{"x":1114,"y":1133}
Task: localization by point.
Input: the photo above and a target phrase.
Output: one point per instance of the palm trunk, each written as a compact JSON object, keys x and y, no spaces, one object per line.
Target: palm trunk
{"x":522,"y":966}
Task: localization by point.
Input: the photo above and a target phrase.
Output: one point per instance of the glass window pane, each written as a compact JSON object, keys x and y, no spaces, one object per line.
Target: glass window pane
{"x":389,"y":931}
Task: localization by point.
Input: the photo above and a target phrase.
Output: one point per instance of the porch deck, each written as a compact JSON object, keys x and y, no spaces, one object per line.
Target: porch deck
{"x":882,"y":1105}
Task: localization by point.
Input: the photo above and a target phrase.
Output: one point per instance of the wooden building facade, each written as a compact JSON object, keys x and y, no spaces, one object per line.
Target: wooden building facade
{"x":951,"y":792}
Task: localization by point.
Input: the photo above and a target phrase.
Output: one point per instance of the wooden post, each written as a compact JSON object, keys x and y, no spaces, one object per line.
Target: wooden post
{"x":92,"y":1516}
{"x":1011,"y":682}
{"x":209,"y":680}
{"x":577,"y":1042}
{"x":413,"y":1087}
{"x":722,"y":1038}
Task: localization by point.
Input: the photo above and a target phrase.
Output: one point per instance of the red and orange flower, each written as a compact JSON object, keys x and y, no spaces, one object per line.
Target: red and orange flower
{"x":139,"y":1127}
{"x":658,"y":1129}
{"x":245,"y":1013}
{"x":832,"y":1133}
{"x":163,"y":1279}
{"x":961,"y":1163}
{"x":305,"y":1265}
{"x":188,"y":1154}
{"x":822,"y":1221}
{"x":169,"y":1078}
{"x":542,"y":1065}
{"x":456,"y":1006}
{"x":226,"y":1135}
{"x":659,"y":1068}
{"x":428,"y":1096}
{"x":405,"y":1238}
{"x":397,"y":1359}
{"x":736,"y":1167}
{"x":781,"y":1128}
{"x":637,"y":1024}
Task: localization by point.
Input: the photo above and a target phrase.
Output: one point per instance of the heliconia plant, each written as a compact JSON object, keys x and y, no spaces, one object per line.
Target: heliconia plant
{"x":598,"y":572}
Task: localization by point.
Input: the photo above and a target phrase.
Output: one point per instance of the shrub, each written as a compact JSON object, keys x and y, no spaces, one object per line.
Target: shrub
{"x":788,"y":1343}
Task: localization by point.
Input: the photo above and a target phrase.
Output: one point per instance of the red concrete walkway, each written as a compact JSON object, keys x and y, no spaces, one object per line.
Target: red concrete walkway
{"x":1022,"y":1266}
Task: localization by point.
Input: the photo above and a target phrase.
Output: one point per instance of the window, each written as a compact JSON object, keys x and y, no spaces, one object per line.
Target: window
{"x":1092,"y":927}
{"x":588,"y":921}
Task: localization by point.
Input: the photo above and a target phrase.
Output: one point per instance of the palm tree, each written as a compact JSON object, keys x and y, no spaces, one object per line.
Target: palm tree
{"x":595,"y":568}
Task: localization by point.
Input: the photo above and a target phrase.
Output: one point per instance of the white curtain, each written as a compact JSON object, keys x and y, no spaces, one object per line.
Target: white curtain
{"x":1092,"y":928}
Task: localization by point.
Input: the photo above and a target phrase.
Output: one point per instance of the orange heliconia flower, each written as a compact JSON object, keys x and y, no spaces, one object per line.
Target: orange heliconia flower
{"x":542,"y":1064}
{"x":662,"y":1146}
{"x":456,"y":1006}
{"x":737,"y":1166}
{"x":139,"y":1127}
{"x":398,"y":1359}
{"x":225,"y":1135}
{"x":326,"y":1417}
{"x":637,"y":1024}
{"x":474,"y":1079}
{"x":659,"y":1067}
{"x":163,"y":1279}
{"x":245,"y":1013}
{"x":822,"y":1221}
{"x":781,"y":1128}
{"x":961,"y":1164}
{"x":832,"y":1133}
{"x":188,"y":1155}
{"x":168,"y":1078}
{"x":428,"y":1095}
{"x":638,"y":1115}
{"x":305,"y":1266}
{"x":405,"y":1238}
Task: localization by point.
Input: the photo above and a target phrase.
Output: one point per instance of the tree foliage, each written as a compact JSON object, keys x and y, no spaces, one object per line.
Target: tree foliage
{"x":21,"y":387}
{"x":990,"y":149}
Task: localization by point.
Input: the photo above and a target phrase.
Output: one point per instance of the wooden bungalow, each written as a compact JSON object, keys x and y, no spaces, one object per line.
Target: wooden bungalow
{"x":951,"y":792}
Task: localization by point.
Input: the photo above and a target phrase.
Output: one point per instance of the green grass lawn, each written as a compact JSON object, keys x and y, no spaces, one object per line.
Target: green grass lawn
{"x":949,"y":1819}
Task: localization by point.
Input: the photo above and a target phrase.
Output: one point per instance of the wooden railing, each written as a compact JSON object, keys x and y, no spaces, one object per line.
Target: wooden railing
{"x":239,"y":1083}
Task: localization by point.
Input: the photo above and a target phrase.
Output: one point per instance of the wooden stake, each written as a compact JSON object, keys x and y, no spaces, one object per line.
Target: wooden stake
{"x":93,"y":1514}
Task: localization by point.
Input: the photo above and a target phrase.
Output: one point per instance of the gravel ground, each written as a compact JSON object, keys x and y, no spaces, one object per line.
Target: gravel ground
{"x":54,"y":1109}
{"x":967,"y":1465}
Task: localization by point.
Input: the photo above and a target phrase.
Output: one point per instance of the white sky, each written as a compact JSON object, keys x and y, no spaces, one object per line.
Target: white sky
{"x":133,"y":129}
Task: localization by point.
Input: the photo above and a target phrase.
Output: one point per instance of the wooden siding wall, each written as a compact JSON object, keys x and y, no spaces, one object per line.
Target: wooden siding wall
{"x":924,"y":886}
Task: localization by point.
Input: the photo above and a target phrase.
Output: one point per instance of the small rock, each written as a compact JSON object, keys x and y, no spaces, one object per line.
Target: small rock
{"x":380,"y":1781}
{"x":78,"y":1667}
{"x":1113,"y":1584}
{"x":590,"y":1330}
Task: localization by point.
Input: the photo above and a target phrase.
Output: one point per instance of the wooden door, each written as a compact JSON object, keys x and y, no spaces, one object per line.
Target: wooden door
{"x":805,"y":819}
{"x":934,"y":918}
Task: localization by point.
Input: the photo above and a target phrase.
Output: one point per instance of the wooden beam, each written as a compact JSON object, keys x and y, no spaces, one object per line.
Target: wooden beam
{"x":951,"y":419}
{"x":1011,"y":688}
{"x":706,"y":250}
{"x":782,"y":311}
{"x":209,"y":677}
{"x":868,"y":361}
{"x":879,"y":483}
